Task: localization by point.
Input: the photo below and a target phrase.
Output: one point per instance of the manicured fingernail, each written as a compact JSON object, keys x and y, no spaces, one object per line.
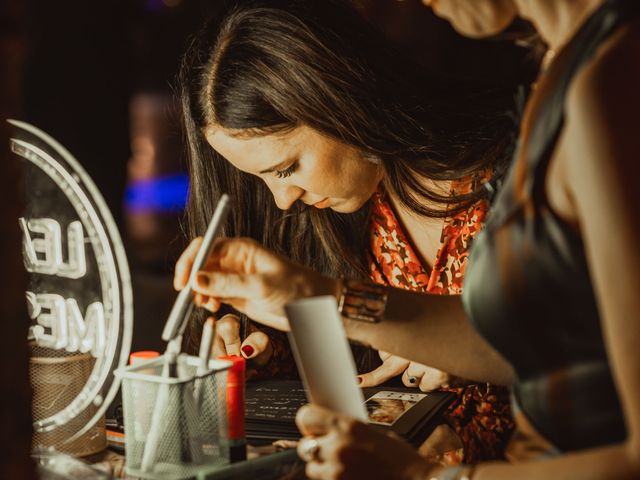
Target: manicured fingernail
{"x":412,"y":380}
{"x":203,"y":280}
{"x":359,"y":380}
{"x":247,"y":350}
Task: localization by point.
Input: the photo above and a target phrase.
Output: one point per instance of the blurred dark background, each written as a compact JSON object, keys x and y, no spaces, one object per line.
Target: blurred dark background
{"x":98,"y":77}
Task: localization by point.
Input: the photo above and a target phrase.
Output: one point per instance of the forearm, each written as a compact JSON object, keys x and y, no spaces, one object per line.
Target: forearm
{"x":433,"y":330}
{"x":429,"y":329}
{"x":610,"y":463}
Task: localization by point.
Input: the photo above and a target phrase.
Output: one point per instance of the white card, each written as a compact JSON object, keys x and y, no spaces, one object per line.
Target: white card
{"x":323,"y":356}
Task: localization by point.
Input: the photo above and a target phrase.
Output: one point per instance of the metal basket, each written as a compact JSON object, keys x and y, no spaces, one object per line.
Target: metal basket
{"x":57,"y":378}
{"x":174,"y":426}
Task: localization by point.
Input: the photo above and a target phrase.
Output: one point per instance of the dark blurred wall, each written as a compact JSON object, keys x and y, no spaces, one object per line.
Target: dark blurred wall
{"x":15,"y":392}
{"x":98,"y":79}
{"x":432,"y":42}
{"x":77,"y":85}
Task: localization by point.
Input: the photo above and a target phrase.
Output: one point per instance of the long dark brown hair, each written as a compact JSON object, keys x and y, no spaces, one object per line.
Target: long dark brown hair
{"x":267,"y":66}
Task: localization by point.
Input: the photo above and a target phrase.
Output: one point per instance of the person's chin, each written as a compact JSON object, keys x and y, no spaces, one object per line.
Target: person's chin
{"x":347,"y":206}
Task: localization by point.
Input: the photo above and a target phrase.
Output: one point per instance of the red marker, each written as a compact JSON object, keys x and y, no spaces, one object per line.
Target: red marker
{"x":235,"y":408}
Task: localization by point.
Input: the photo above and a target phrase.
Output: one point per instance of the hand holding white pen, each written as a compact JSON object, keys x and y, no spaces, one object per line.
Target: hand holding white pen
{"x":250,"y":278}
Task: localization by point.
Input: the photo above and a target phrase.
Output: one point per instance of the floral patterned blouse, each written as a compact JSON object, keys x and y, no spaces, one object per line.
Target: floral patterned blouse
{"x":480,"y":415}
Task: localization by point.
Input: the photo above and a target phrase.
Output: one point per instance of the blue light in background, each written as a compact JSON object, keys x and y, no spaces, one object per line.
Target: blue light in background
{"x":158,"y":195}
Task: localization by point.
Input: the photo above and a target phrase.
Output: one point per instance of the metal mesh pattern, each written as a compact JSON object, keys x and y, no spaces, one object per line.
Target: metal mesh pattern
{"x":173,"y":426}
{"x":57,"y":377}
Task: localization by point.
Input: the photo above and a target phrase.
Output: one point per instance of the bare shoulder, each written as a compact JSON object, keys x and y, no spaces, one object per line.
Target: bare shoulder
{"x":603,"y":104}
{"x":601,"y":138}
{"x":609,"y":85}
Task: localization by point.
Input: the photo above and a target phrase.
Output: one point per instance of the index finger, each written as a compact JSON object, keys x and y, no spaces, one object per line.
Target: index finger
{"x":228,"y":329}
{"x":185,"y":263}
{"x":241,"y":255}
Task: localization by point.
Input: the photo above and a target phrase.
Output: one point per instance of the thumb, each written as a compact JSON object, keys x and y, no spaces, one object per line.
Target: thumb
{"x":390,"y":368}
{"x":312,"y":419}
{"x":257,"y":347}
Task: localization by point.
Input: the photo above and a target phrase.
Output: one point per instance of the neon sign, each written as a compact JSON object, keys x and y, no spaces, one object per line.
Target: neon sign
{"x":79,"y":292}
{"x":59,"y":322}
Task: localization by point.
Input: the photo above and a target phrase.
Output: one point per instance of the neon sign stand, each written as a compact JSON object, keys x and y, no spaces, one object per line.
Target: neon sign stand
{"x":79,"y":295}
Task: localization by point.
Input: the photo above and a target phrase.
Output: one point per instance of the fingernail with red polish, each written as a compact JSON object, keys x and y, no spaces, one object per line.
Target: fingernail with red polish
{"x":203,"y":279}
{"x":359,"y":380}
{"x":247,"y":350}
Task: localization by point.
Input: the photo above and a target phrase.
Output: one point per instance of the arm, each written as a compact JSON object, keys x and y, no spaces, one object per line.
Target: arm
{"x":351,"y":449}
{"x":603,"y":168}
{"x":447,"y":341}
{"x":259,"y":283}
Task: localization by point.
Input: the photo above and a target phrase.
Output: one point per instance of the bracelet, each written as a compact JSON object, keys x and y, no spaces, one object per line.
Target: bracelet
{"x":361,"y":301}
{"x":457,"y":472}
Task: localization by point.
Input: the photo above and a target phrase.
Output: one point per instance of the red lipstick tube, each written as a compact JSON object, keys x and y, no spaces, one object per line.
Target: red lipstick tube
{"x":235,"y":408}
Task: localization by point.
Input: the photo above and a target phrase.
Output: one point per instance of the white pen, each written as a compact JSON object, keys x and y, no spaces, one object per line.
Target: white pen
{"x":184,"y":302}
{"x":173,"y":330}
{"x":203,"y":355}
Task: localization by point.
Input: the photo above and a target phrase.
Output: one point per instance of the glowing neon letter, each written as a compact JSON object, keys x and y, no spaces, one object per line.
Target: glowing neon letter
{"x":88,"y":334}
{"x":43,"y":253}
{"x":52,"y":315}
{"x":66,"y":327}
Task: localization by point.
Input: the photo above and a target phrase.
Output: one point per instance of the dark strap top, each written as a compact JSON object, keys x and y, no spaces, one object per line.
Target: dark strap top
{"x":527,"y":287}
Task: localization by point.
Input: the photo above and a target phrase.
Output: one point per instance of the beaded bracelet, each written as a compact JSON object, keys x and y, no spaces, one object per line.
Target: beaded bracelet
{"x":362,"y":301}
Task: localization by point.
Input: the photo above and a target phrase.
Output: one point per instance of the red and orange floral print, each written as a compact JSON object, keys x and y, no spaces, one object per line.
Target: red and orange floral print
{"x":481,"y":414}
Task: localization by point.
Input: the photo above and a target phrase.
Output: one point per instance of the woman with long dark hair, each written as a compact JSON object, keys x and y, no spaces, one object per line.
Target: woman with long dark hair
{"x":551,"y":292}
{"x":342,"y":156}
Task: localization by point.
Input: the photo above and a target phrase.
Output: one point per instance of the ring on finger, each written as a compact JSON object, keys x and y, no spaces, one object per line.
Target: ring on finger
{"x":311,"y":451}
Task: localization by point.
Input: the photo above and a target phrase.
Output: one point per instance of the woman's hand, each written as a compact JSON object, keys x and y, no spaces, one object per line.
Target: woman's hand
{"x":425,"y":378}
{"x":339,"y":447}
{"x":413,"y":374}
{"x":391,"y":367}
{"x":250,"y":278}
{"x":227,"y":341}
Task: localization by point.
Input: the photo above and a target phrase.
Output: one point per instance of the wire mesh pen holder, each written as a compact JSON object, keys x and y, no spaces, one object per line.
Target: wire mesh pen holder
{"x":174,"y":426}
